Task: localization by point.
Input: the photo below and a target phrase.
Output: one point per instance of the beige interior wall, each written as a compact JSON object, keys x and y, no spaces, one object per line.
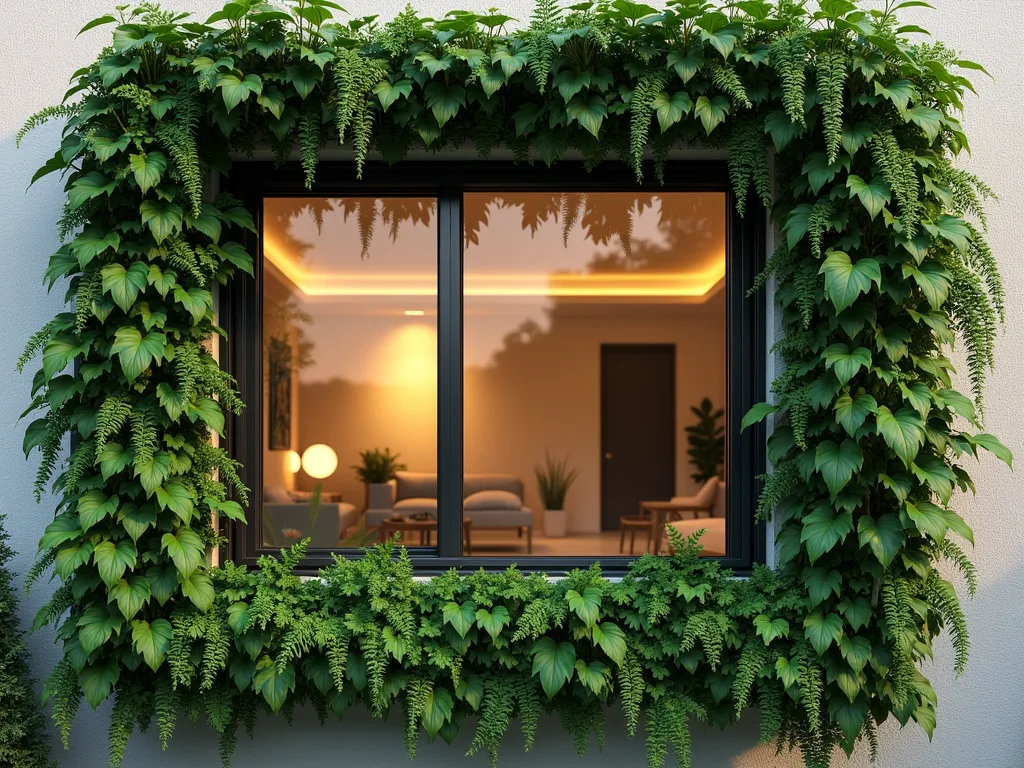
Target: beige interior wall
{"x":542,"y":392}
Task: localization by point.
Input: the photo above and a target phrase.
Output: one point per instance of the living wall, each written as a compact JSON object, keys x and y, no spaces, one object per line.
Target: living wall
{"x":881,"y":265}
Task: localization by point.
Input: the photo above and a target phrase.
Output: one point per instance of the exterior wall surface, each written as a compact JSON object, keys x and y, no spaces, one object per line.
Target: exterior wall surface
{"x":981,"y":715}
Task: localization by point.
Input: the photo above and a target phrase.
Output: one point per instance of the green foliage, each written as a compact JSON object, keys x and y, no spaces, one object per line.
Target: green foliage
{"x":881,"y":266}
{"x":707,"y":441}
{"x":23,"y":740}
{"x":554,"y":480}
{"x":378,"y":466}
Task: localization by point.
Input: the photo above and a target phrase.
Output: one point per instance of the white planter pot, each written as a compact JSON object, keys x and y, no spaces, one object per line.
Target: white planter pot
{"x":554,"y":522}
{"x":378,"y":496}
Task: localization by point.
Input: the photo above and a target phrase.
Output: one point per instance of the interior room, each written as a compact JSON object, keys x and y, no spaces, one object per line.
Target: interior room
{"x":594,"y":349}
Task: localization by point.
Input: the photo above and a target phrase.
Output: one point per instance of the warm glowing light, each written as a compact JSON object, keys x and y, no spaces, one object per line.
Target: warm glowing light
{"x":414,"y":313}
{"x":319,"y":461}
{"x":294,"y":462}
{"x":693,"y":284}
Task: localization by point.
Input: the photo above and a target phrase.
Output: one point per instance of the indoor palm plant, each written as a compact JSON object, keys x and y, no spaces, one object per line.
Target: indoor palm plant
{"x":707,"y":442}
{"x":553,"y":482}
{"x":376,"y":472}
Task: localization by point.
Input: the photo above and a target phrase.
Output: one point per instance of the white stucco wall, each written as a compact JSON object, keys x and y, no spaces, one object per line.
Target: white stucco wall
{"x":981,"y":715}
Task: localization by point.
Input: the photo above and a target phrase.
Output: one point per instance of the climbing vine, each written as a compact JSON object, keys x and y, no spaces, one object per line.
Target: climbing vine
{"x":881,"y":265}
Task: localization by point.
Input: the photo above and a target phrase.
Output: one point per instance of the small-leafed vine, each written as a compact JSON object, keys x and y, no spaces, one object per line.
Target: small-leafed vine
{"x":830,"y":114}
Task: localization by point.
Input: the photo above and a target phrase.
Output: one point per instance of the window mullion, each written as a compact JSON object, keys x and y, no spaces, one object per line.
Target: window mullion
{"x":449,"y":373}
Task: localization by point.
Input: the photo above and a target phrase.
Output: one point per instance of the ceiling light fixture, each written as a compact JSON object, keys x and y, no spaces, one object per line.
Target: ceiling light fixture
{"x":414,"y":313}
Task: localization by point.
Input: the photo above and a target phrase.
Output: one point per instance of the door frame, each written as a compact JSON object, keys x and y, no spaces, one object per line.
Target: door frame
{"x":652,"y":347}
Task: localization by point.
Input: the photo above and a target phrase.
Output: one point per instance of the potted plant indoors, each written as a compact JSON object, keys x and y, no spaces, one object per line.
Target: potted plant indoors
{"x":553,"y":482}
{"x":707,"y":442}
{"x":376,"y":472}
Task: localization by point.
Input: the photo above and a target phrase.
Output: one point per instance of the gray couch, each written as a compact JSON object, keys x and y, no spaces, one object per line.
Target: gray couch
{"x":491,"y":501}
{"x":329,"y":528}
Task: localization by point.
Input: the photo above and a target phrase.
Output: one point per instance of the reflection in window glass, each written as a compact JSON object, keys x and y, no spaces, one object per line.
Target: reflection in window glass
{"x":350,"y":362}
{"x":595,"y":374}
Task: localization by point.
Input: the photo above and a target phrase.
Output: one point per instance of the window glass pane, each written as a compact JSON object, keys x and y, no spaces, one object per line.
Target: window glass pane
{"x":350,"y":361}
{"x":595,"y":325}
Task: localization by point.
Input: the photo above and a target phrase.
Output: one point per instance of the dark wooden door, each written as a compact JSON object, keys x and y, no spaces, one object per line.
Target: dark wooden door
{"x":638,"y":427}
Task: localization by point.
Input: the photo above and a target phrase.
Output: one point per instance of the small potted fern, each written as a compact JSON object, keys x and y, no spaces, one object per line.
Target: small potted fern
{"x":553,"y":482}
{"x":376,"y":472}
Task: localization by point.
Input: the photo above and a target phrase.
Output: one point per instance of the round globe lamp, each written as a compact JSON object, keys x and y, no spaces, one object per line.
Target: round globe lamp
{"x":294,"y":462}
{"x":319,"y":461}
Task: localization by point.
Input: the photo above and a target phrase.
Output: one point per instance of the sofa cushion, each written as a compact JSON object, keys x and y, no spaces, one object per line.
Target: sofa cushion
{"x":277,"y":494}
{"x":473,"y":484}
{"x":500,"y":518}
{"x":713,"y":539}
{"x":415,"y":485}
{"x":492,"y":500}
{"x":411,"y":506}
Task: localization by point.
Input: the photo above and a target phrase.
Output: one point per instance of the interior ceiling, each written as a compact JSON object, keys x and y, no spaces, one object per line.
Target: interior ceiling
{"x":517,"y":247}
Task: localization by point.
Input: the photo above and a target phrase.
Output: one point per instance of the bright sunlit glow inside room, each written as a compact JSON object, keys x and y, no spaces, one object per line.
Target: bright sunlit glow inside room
{"x":594,"y":360}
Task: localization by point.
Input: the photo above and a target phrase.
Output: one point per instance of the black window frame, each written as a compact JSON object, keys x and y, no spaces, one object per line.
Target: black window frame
{"x":446,"y":181}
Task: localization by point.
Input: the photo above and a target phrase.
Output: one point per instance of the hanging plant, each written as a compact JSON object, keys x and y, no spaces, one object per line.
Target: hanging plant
{"x":882,"y":262}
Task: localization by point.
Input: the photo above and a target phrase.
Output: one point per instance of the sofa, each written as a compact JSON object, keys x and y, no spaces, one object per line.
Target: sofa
{"x":491,"y":501}
{"x":713,"y":539}
{"x":282,"y":513}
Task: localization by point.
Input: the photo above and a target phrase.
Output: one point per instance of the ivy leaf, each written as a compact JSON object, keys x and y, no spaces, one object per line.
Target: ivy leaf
{"x":124,"y":285}
{"x":87,"y":187}
{"x":493,"y":621}
{"x":92,"y":242}
{"x":185,"y":549}
{"x":845,"y":281}
{"x":274,"y":681}
{"x":927,"y":518}
{"x":272,"y":100}
{"x":857,"y":612}
{"x":902,"y":431}
{"x":136,"y":520}
{"x":176,"y":496}
{"x":845,"y":363}
{"x":153,"y":641}
{"x":587,"y":606}
{"x":824,"y":528}
{"x":163,"y":218}
{"x":148,"y":169}
{"x":936,"y":474}
{"x":819,"y":171}
{"x":163,"y":582}
{"x":757,"y":414}
{"x":951,"y":228}
{"x":199,"y":589}
{"x":569,"y":82}
{"x":671,"y":109}
{"x":95,"y":506}
{"x":510,"y":62}
{"x":234,"y":89}
{"x":822,"y":390}
{"x":153,"y":471}
{"x":62,"y":529}
{"x":589,"y":112}
{"x":884,"y":536}
{"x":303,"y":78}
{"x":394,"y":644}
{"x":991,"y":444}
{"x":553,"y":663}
{"x":712,"y":112}
{"x":899,"y":483}
{"x":437,"y":710}
{"x":782,"y":129}
{"x":444,"y":101}
{"x":822,"y":630}
{"x":388,"y":93}
{"x":431,"y":64}
{"x":461,"y":617}
{"x":196,"y":301}
{"x":686,"y":64}
{"x":611,"y":639}
{"x":594,"y":675}
{"x":873,"y":196}
{"x":172,"y":401}
{"x":131,"y":595}
{"x":112,"y":560}
{"x":821,"y":584}
{"x":899,"y":92}
{"x":837,"y":463}
{"x":137,"y":352}
{"x":960,"y":404}
{"x":932,"y":279}
{"x":787,"y":670}
{"x":769,"y":629}
{"x":856,"y":137}
{"x":491,"y":80}
{"x":97,"y":680}
{"x":927,"y":119}
{"x":471,"y":690}
{"x":851,"y":413}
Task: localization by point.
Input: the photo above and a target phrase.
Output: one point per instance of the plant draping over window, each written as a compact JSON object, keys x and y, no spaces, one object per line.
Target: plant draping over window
{"x":882,"y":262}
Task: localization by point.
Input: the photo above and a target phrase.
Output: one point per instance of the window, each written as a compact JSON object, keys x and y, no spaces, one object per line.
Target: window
{"x":498,"y":364}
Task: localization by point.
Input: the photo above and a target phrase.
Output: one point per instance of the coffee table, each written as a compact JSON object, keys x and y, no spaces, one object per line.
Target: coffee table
{"x":425,"y":528}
